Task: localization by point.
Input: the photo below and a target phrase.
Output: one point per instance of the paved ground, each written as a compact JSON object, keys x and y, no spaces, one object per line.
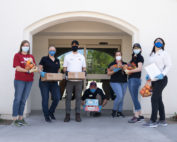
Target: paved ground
{"x":102,"y":129}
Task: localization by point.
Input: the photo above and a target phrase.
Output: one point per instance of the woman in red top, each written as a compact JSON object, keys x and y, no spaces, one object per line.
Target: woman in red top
{"x":23,"y":82}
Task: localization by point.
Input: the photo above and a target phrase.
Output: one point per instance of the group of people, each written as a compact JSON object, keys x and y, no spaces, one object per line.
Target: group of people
{"x":120,"y":78}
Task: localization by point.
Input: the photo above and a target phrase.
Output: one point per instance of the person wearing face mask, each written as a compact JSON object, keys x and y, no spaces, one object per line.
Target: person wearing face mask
{"x":94,"y":93}
{"x":134,"y":81}
{"x":22,"y":83}
{"x":163,"y":61}
{"x":49,"y":64}
{"x":118,"y":83}
{"x":74,"y":62}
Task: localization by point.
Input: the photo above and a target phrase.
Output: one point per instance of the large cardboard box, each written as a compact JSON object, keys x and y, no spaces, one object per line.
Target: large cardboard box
{"x":76,"y":75}
{"x":91,"y":105}
{"x":53,"y":77}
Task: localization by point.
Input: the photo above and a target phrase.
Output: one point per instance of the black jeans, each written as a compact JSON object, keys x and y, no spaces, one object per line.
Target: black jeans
{"x":54,"y":89}
{"x":156,"y":99}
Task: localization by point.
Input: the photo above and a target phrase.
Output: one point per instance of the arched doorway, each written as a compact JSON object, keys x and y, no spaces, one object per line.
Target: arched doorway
{"x":34,"y":31}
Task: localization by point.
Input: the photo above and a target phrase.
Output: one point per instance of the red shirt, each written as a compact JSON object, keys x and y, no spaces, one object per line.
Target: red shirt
{"x":20,"y":60}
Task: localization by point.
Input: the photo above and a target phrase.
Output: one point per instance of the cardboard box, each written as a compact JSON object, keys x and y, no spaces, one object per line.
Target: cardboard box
{"x":53,"y":77}
{"x":92,"y":105}
{"x":76,"y":75}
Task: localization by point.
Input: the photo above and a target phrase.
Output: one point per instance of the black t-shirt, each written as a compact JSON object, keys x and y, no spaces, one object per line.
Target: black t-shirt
{"x":50,"y":66}
{"x":89,"y":95}
{"x":119,"y":76}
{"x":136,"y":59}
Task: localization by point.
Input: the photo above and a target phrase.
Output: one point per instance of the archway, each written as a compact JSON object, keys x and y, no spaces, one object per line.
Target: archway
{"x":79,"y":16}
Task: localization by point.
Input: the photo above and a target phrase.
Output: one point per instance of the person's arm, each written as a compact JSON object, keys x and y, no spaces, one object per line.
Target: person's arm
{"x":83,"y":65}
{"x":103,"y":97}
{"x":109,"y":72}
{"x":40,"y":68}
{"x":16,"y":64}
{"x":167,"y":63}
{"x":104,"y":102}
{"x":138,"y":69}
{"x":65,"y":65}
{"x":20,"y":69}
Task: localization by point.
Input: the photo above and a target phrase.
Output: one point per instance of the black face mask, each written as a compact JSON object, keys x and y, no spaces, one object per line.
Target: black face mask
{"x":74,"y":48}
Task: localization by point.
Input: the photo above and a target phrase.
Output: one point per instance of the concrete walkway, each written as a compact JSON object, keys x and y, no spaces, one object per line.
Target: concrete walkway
{"x":91,"y":129}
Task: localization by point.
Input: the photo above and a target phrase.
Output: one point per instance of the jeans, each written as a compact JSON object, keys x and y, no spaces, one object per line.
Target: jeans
{"x":77,"y":86}
{"x":120,"y":90}
{"x":54,"y":89}
{"x":133,"y":85}
{"x":156,"y":99}
{"x":22,"y":91}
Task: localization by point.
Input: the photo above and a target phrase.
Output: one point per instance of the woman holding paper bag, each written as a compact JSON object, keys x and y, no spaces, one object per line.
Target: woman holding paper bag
{"x":134,"y":80}
{"x":49,"y":64}
{"x":162,"y":60}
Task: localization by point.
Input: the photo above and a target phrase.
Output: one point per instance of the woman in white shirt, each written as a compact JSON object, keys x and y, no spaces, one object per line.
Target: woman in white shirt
{"x":163,"y":62}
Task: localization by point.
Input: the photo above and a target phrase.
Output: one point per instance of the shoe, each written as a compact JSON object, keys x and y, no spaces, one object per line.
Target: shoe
{"x":23,"y":122}
{"x":96,"y":114}
{"x":47,"y":119}
{"x":67,"y":117}
{"x":140,"y":118}
{"x":52,"y":116}
{"x":162,"y":123}
{"x":17,"y":123}
{"x":78,"y":118}
{"x":113,"y":113}
{"x":120,"y":114}
{"x":133,"y":120}
{"x":151,"y":124}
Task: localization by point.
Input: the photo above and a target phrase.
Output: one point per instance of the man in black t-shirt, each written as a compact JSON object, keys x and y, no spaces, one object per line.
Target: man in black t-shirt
{"x":94,"y":93}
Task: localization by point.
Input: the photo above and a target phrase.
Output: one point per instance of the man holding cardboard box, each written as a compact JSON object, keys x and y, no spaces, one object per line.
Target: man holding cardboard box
{"x":75,"y":68}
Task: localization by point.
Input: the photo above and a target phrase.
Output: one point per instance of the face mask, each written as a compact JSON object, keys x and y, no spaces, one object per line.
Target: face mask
{"x":52,"y":53}
{"x":118,"y":58}
{"x":25,"y":49}
{"x":74,"y":48}
{"x":92,"y":90}
{"x":158,"y":44}
{"x":136,"y":51}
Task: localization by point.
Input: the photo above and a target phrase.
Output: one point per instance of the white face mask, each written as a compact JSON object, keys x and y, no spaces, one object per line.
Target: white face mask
{"x":136,"y":51}
{"x":25,"y":49}
{"x":118,"y":58}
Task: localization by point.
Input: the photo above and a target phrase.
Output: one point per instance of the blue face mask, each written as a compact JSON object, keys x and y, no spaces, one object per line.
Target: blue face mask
{"x":25,"y":49}
{"x":136,"y":51}
{"x":158,"y":44}
{"x":52,"y":53}
{"x":92,"y":90}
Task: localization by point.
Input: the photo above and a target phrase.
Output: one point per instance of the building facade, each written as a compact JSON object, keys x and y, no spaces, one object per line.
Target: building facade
{"x":57,"y":22}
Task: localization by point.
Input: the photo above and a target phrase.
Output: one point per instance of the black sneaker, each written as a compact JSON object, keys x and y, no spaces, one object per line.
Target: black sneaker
{"x":47,"y":119}
{"x":140,"y":118}
{"x":151,"y":124}
{"x":113,"y":113}
{"x":52,"y":116}
{"x":133,"y":120}
{"x":120,"y":114}
{"x":96,"y":114}
{"x":162,"y":123}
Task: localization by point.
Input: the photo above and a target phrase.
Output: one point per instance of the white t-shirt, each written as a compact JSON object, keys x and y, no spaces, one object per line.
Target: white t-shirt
{"x":74,"y":62}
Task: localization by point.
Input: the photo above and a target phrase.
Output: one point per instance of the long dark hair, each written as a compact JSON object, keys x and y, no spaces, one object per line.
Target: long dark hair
{"x":22,"y":44}
{"x":153,"y":49}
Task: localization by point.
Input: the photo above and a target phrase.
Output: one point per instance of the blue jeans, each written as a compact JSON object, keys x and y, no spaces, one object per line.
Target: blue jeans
{"x":54,"y":89}
{"x":119,"y":90}
{"x":22,"y":91}
{"x":133,"y":85}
